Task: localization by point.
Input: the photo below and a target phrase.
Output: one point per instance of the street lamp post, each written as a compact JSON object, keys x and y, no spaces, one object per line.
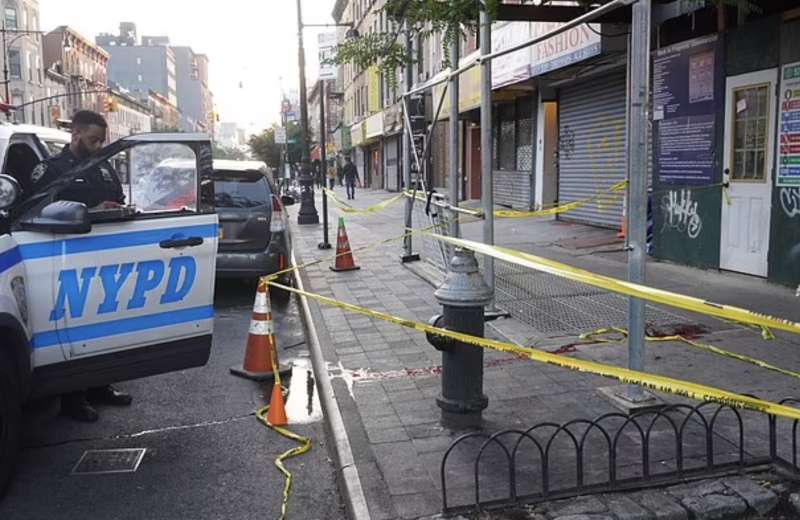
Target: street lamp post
{"x":308,"y":212}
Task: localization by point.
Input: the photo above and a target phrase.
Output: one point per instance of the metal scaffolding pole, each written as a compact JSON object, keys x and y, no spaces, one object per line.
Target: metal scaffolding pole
{"x":408,"y":254}
{"x":637,"y":177}
{"x":487,"y":189}
{"x":453,"y":139}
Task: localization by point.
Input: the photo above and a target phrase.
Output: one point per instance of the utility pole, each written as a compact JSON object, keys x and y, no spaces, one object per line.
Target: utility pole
{"x":408,"y":254}
{"x":308,"y":212}
{"x":323,"y":169}
{"x":487,"y":188}
{"x":454,"y":141}
{"x":637,"y":185}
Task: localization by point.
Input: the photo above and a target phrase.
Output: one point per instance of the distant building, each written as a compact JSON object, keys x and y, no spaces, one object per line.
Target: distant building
{"x":140,"y":68}
{"x":127,"y":116}
{"x":86,"y":65}
{"x":56,"y":86}
{"x":25,"y":71}
{"x":164,"y":115}
{"x":195,"y":100}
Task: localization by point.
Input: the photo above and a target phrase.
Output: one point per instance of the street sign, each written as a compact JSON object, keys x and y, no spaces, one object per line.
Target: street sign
{"x":280,"y":135}
{"x":291,"y":116}
{"x":327,"y":51}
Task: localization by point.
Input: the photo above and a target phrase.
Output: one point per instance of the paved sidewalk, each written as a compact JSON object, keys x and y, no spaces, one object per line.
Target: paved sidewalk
{"x":386,"y":377}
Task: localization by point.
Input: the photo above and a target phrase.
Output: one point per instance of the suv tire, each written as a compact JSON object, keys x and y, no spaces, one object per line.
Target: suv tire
{"x":10,"y":419}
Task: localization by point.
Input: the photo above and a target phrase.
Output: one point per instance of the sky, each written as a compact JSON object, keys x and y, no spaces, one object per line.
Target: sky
{"x":248,"y":42}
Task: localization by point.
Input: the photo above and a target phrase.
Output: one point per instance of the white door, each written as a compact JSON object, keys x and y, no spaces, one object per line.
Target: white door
{"x":748,"y":164}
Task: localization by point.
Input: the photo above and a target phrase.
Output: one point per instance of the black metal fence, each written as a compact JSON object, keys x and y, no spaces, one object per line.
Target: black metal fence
{"x":613,"y":452}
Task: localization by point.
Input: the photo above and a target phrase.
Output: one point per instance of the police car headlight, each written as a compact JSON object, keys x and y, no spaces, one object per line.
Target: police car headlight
{"x":9,"y":191}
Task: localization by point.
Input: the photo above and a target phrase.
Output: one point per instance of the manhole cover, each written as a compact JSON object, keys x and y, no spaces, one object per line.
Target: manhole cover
{"x":99,"y":462}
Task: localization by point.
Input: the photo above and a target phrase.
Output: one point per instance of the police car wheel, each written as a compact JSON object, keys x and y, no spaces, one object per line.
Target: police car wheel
{"x":10,"y":419}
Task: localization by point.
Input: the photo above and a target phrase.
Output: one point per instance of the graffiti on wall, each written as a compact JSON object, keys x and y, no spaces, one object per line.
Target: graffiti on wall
{"x":566,"y":142}
{"x":681,"y":213}
{"x":790,"y":201}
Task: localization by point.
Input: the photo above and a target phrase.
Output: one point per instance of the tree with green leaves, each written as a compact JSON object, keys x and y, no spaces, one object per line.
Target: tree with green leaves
{"x":451,"y":18}
{"x":264,"y":147}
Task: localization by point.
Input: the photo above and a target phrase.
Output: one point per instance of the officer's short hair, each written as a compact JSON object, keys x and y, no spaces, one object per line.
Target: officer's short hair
{"x":85,"y":118}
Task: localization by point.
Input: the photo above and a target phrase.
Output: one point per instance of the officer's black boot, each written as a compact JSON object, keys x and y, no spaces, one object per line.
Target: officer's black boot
{"x":75,"y":406}
{"x":109,"y":395}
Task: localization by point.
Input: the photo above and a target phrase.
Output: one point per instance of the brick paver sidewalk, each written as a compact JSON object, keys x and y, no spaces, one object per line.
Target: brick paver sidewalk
{"x":386,"y":379}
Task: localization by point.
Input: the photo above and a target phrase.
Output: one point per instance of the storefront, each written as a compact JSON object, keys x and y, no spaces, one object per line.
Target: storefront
{"x":727,"y":150}
{"x":392,"y":139}
{"x":592,"y":147}
{"x":514,"y":114}
{"x":357,"y":155}
{"x":373,"y":137}
{"x":469,"y":100}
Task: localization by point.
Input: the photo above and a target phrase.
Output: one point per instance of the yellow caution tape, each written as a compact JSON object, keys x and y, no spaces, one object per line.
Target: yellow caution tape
{"x":627,"y":376}
{"x":615,"y":191}
{"x":609,"y":196}
{"x":660,"y":296}
{"x":305,"y":446}
{"x":347,"y":208}
{"x":598,"y":336}
{"x":305,"y":443}
{"x":366,"y":247}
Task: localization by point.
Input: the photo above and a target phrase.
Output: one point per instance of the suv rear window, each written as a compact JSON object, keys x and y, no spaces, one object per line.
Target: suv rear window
{"x":241,"y":192}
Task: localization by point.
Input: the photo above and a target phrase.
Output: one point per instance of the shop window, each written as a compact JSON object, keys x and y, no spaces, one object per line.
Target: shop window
{"x":525,"y":134}
{"x":750,"y":133}
{"x":512,"y":144}
{"x":506,"y":138}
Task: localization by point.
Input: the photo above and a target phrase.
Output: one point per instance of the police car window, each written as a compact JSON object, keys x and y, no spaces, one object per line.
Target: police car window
{"x":54,"y":147}
{"x":241,"y":192}
{"x":160,"y":177}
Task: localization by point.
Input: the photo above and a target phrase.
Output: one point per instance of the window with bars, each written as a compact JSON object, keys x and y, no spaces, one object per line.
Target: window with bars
{"x":513,"y":135}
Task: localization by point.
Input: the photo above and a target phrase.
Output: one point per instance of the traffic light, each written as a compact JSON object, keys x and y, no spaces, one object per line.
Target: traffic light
{"x":110,"y":104}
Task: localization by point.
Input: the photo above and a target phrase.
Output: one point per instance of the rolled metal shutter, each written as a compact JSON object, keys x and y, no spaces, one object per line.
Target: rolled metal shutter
{"x":592,"y":147}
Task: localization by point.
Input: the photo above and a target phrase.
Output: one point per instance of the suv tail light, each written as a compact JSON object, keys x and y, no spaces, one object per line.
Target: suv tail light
{"x":277,"y":222}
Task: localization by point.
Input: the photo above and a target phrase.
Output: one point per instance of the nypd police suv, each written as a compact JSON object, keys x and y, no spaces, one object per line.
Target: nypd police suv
{"x":90,"y":297}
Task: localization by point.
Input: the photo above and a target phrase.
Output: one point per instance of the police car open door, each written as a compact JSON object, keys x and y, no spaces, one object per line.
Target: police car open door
{"x":136,"y":291}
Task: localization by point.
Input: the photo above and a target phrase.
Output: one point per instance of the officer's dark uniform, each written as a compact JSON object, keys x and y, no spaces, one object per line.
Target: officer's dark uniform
{"x":92,"y":187}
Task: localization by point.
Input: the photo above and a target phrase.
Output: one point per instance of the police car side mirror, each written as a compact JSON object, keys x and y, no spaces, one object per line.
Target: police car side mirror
{"x":62,"y":216}
{"x":9,"y":191}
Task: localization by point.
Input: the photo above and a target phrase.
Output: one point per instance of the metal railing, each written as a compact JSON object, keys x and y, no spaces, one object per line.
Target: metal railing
{"x":613,"y":452}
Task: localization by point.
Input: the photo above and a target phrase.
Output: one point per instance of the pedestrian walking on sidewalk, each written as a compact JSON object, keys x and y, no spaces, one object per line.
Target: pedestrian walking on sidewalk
{"x":331,"y":174}
{"x":350,"y":173}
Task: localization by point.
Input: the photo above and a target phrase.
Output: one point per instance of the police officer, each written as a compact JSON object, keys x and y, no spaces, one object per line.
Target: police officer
{"x":99,"y":188}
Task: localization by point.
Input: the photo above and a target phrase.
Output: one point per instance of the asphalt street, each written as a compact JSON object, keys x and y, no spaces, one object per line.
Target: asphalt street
{"x":207,"y":457}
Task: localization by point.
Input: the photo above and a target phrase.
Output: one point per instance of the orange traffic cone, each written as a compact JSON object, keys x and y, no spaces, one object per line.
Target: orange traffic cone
{"x":344,"y":257}
{"x":276,"y":415}
{"x":261,"y":344}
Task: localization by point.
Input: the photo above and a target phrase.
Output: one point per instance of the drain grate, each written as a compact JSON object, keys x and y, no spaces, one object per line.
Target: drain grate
{"x":101,"y":462}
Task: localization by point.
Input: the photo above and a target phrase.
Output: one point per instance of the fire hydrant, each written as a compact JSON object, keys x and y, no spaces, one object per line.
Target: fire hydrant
{"x":463,"y":296}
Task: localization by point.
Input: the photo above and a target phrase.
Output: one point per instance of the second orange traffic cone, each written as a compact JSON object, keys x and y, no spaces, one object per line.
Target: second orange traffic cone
{"x":344,"y":256}
{"x":276,"y":415}
{"x":262,"y":349}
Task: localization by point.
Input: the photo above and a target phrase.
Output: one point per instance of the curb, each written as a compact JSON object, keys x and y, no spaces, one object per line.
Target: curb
{"x":355,"y":499}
